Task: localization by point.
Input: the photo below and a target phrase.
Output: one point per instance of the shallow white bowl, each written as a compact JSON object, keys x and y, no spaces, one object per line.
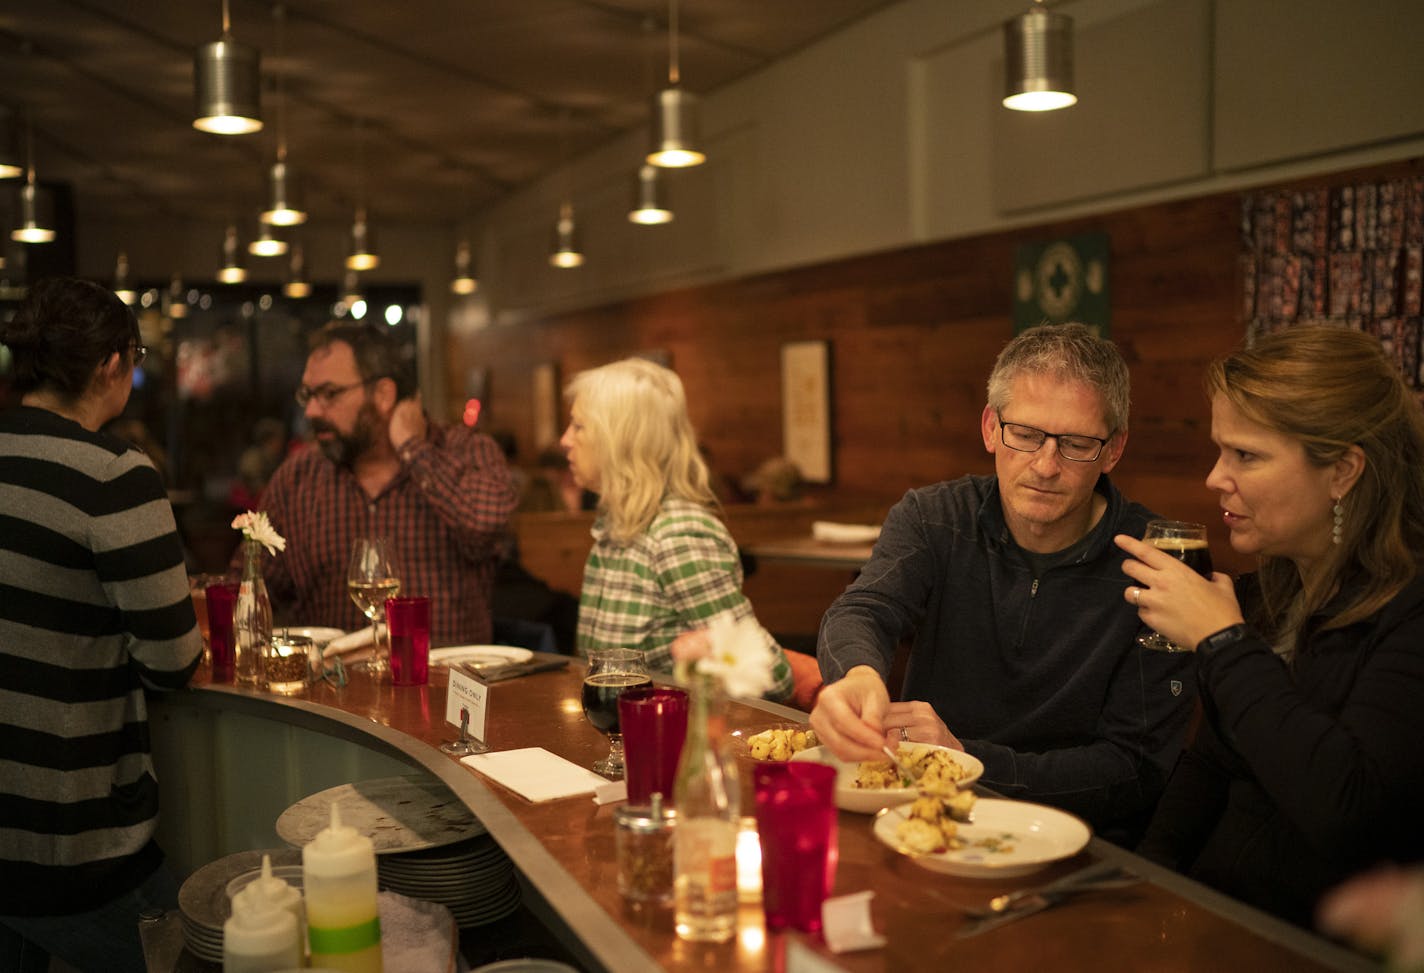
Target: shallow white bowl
{"x":870,"y":800}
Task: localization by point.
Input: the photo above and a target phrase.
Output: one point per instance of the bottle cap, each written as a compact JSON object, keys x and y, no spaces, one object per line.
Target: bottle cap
{"x":257,"y":925}
{"x":338,"y":850}
{"x":273,"y":888}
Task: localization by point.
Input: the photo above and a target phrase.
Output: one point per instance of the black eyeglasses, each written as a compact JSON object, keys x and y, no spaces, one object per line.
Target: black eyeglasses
{"x":140,"y":352}
{"x":1027,"y":439}
{"x":326,"y":394}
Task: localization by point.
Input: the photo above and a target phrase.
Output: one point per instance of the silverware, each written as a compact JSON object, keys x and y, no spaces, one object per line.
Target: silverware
{"x":906,"y":777}
{"x":1003,"y":909}
{"x":514,"y":669}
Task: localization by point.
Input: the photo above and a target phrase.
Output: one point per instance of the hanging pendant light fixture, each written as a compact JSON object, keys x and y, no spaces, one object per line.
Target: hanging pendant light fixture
{"x":363,"y":254}
{"x":232,"y":271}
{"x":123,"y":288}
{"x":1038,"y":60}
{"x":675,"y":125}
{"x":464,"y":281}
{"x":566,"y":252}
{"x":265,"y":244}
{"x":649,"y":202}
{"x":12,"y":163}
{"x":297,"y":285}
{"x":175,"y":299}
{"x":36,"y":223}
{"x":227,"y":85}
{"x":283,"y":191}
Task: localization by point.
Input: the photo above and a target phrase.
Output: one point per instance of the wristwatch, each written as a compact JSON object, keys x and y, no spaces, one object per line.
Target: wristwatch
{"x":1217,"y":641}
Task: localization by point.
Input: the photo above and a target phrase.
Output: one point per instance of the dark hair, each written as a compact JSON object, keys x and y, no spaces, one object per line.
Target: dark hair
{"x":378,"y":353}
{"x":63,"y":330}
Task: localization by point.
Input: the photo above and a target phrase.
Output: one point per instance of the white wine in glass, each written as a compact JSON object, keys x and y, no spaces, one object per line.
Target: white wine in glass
{"x":371,"y":578}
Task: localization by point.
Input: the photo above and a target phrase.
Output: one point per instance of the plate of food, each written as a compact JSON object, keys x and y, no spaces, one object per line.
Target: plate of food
{"x":991,"y":838}
{"x":779,"y":742}
{"x":480,"y":656}
{"x":868,"y":786}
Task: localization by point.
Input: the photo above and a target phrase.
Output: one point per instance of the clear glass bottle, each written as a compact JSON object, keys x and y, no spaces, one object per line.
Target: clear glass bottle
{"x":252,"y":619}
{"x":708,"y":811}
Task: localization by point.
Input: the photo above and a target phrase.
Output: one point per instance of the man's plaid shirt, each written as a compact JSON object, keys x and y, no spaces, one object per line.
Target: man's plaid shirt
{"x":677,"y":575}
{"x":446,"y":513}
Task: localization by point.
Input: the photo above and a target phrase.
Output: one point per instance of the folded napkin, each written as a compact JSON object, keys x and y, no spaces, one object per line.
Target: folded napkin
{"x":349,"y":642}
{"x":535,"y":774}
{"x":832,"y":533}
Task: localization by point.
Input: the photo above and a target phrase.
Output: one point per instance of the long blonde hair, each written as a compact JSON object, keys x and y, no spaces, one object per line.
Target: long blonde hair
{"x":634,"y":414}
{"x":1329,"y":389}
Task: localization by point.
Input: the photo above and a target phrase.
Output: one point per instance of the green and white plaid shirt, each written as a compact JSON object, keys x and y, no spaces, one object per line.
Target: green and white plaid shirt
{"x":678,"y":575}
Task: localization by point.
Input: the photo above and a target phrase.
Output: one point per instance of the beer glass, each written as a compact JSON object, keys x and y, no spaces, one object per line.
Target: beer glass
{"x":1187,"y":543}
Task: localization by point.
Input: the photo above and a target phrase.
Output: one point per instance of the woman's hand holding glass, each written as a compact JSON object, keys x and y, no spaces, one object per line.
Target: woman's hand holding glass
{"x":1180,"y":605}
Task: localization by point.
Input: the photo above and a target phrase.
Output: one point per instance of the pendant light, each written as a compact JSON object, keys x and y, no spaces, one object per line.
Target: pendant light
{"x":227,"y":85}
{"x":175,"y":300}
{"x":649,"y":202}
{"x":566,"y":251}
{"x":1038,"y":60}
{"x":265,"y":244}
{"x":123,"y":287}
{"x":12,"y":163}
{"x":464,"y":281}
{"x":351,"y":290}
{"x":363,"y":254}
{"x":283,"y":196}
{"x":232,"y":271}
{"x":297,"y":285}
{"x":675,"y":128}
{"x":36,"y":224}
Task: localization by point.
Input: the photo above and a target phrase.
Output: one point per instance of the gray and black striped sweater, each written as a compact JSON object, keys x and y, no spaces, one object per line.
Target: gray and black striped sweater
{"x":94,"y":608}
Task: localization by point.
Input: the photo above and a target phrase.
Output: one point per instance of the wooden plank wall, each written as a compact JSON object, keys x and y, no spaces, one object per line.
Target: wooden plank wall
{"x":913,"y":334}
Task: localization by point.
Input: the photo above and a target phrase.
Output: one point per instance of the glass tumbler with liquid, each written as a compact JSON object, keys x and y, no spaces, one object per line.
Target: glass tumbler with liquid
{"x":1187,"y":543}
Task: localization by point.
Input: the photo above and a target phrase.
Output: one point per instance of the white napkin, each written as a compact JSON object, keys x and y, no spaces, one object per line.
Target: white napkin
{"x":832,"y":533}
{"x":845,"y":923}
{"x":348,"y":642}
{"x":535,"y":774}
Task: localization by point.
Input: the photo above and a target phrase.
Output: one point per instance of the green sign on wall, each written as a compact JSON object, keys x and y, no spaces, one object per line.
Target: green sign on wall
{"x":1063,"y":280}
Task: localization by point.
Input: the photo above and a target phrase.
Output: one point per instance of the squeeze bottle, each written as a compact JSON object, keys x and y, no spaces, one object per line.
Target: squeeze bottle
{"x":339,"y":875}
{"x":260,"y":936}
{"x":279,"y":893}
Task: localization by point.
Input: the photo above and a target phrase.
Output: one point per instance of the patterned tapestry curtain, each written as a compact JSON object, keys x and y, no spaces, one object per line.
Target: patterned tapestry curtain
{"x":1350,"y":256}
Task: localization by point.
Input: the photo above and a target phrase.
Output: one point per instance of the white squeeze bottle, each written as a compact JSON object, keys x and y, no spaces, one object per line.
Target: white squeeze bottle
{"x":260,"y":936}
{"x":279,"y":893}
{"x":339,"y":874}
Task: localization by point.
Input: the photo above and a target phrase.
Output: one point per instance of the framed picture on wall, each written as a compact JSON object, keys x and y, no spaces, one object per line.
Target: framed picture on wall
{"x":546,"y":404}
{"x":806,"y":408}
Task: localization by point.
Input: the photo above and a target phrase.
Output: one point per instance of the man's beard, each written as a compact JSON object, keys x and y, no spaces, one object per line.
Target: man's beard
{"x":344,"y":449}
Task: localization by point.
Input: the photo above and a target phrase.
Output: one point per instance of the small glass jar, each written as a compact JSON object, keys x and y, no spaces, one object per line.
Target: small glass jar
{"x":643,"y":837}
{"x":288,"y":663}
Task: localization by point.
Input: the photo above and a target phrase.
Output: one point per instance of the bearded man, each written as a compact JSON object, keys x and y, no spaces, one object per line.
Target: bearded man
{"x":442,"y":495}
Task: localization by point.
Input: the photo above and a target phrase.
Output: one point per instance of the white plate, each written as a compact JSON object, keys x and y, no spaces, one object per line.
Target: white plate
{"x":480,"y":656}
{"x":319,"y":635}
{"x":1036,"y":835}
{"x":864,"y":800}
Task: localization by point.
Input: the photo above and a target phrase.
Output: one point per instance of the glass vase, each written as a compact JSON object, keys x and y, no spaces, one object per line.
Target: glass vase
{"x":252,"y":619}
{"x":708,"y":814}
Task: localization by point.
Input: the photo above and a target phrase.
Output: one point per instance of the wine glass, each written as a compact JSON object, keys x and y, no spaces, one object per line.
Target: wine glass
{"x":610,"y":671}
{"x":371,"y":578}
{"x":1187,"y":543}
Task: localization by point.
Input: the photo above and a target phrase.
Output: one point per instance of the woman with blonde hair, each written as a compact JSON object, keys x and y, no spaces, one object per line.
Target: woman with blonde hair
{"x":1305,"y":768}
{"x":662,"y":561}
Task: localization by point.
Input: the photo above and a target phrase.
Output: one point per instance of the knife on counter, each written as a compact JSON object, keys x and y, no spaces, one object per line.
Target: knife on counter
{"x":1026,"y":902}
{"x":514,"y":670}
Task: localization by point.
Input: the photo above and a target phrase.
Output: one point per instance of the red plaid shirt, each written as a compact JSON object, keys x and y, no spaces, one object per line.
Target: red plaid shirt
{"x":446,"y":513}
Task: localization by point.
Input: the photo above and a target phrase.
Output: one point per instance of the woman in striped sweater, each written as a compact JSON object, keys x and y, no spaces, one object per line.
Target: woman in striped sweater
{"x":94,"y":610}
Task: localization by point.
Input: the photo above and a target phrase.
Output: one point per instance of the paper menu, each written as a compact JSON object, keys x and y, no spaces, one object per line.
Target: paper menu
{"x":535,"y":774}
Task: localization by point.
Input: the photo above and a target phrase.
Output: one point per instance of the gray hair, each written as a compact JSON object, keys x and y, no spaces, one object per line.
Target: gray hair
{"x":1068,"y":352}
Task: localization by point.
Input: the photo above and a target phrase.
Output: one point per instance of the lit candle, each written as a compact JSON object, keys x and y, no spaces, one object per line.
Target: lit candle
{"x":748,"y":862}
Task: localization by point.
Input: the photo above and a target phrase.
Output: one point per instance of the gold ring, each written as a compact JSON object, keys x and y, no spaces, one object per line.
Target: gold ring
{"x":1137,"y":597}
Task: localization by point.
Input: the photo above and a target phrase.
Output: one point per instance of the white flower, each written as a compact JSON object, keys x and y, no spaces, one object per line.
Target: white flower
{"x":255,"y":526}
{"x":740,"y":656}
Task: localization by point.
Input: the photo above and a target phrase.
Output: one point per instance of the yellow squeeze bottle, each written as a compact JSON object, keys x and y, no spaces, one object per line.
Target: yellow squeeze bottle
{"x":339,"y":877}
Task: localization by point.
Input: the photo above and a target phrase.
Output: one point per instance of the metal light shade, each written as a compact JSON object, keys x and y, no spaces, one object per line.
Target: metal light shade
{"x":36,"y":223}
{"x":351,"y":290}
{"x":464,"y":281}
{"x":297,"y":285}
{"x":566,"y":252}
{"x":12,"y":162}
{"x":227,"y":86}
{"x":1038,"y":61}
{"x":363,"y":254}
{"x":232,"y":271}
{"x":649,"y":205}
{"x":267,"y":245}
{"x":675,"y":130}
{"x":123,"y":289}
{"x":176,"y":300}
{"x":283,"y":198}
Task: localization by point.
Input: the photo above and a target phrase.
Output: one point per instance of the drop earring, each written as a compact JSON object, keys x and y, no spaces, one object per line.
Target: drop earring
{"x":1339,"y":513}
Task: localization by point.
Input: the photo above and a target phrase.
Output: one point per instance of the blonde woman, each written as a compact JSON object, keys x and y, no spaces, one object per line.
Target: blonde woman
{"x":662,"y":561}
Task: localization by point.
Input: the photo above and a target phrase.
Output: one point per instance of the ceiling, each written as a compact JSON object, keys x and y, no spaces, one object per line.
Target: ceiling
{"x":430,"y":109}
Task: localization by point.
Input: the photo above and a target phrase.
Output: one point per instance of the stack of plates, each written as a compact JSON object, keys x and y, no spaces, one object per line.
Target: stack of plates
{"x":203,"y":900}
{"x":474,"y":879}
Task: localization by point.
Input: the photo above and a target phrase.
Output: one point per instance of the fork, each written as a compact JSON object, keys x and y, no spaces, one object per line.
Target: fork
{"x":906,"y":778}
{"x":1103,"y":875}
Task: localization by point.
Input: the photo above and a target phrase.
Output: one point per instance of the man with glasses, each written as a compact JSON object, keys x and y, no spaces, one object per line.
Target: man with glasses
{"x":441,"y":494}
{"x":1024,"y":652}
